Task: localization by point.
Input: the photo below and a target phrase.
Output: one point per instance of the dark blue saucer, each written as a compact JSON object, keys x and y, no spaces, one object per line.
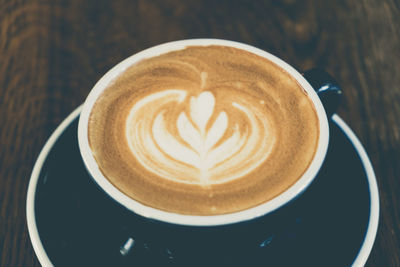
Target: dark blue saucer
{"x":72,"y":222}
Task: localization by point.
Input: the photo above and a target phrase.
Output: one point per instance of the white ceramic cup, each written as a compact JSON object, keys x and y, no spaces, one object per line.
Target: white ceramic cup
{"x":190,"y":220}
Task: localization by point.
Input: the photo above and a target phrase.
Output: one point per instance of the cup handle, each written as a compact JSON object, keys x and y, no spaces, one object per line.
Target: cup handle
{"x":327,"y":88}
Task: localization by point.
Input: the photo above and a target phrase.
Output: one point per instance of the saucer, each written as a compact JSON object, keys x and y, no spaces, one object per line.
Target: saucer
{"x":72,"y":223}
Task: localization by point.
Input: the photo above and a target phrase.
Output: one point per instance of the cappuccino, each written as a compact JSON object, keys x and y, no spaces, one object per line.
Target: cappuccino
{"x":204,"y":130}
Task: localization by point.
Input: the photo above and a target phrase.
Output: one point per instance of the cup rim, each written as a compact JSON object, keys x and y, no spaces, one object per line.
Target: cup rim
{"x":200,"y":220}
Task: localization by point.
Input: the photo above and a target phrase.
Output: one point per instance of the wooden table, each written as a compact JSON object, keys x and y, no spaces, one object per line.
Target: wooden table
{"x":52,"y":53}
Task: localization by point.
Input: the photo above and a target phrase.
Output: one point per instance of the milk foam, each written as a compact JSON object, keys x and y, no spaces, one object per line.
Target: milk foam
{"x":201,"y":153}
{"x":203,"y":130}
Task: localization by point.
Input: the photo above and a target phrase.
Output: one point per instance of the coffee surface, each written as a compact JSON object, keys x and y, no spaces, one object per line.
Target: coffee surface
{"x":204,"y":130}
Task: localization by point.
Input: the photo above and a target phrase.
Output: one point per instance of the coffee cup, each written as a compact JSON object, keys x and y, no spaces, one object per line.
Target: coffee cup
{"x":206,"y":143}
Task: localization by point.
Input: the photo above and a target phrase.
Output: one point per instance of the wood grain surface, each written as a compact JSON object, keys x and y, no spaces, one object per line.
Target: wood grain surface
{"x":53,"y":52}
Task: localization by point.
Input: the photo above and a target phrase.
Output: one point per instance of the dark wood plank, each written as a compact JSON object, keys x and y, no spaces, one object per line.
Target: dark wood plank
{"x":52,"y":53}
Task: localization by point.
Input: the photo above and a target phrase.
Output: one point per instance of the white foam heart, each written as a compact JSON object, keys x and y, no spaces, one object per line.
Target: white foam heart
{"x":203,"y":152}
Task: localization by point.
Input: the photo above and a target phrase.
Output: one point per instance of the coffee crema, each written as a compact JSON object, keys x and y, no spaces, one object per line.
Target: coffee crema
{"x":204,"y":130}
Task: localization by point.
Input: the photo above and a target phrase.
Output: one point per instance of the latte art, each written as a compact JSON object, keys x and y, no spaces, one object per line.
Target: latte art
{"x":203,"y":130}
{"x":202,"y":152}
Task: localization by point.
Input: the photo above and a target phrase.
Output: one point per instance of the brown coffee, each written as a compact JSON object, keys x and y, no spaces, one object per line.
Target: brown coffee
{"x":204,"y":130}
